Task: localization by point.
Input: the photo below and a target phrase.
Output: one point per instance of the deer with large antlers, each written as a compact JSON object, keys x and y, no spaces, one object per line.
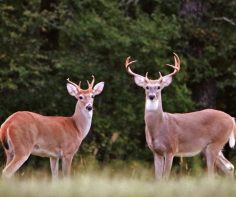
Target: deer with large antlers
{"x":185,"y":134}
{"x":25,"y":133}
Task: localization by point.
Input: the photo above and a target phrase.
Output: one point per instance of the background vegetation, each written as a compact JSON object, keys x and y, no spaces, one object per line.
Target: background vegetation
{"x":43,"y":42}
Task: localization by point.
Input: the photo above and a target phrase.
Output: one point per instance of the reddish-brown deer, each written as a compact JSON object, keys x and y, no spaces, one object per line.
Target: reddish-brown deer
{"x":25,"y":133}
{"x":185,"y":134}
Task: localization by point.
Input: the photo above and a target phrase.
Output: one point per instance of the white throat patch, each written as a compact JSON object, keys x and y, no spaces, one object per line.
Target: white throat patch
{"x":87,"y":124}
{"x":151,"y":105}
{"x":89,"y":114}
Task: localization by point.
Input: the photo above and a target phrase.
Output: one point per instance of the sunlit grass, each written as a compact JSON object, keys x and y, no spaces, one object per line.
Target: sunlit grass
{"x":97,"y":184}
{"x":116,"y":179}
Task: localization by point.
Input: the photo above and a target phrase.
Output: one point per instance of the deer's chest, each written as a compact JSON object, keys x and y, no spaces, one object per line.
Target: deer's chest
{"x":159,"y":141}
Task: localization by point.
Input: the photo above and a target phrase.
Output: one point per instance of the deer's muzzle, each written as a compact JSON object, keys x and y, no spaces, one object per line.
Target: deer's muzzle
{"x":89,"y":107}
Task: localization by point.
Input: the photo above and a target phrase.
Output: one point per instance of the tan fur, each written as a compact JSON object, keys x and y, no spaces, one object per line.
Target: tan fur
{"x":172,"y":135}
{"x":25,"y":133}
{"x":185,"y":134}
{"x":235,"y":130}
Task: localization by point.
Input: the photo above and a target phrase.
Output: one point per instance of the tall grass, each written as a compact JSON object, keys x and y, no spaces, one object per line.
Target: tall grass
{"x":117,"y":179}
{"x":104,"y":185}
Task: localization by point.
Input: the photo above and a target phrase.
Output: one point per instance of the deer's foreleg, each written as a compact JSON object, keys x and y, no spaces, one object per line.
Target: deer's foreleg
{"x":66,"y":164}
{"x":167,"y":164}
{"x":54,"y":164}
{"x":159,"y":166}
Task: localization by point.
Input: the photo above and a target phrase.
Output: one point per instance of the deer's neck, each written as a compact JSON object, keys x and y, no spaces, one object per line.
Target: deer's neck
{"x":83,"y":120}
{"x":154,"y":115}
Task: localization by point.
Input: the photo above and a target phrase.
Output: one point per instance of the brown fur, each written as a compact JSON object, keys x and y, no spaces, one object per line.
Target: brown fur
{"x":25,"y":133}
{"x":186,"y":134}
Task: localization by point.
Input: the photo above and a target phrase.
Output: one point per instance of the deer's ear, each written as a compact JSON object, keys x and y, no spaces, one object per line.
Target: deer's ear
{"x":166,"y":81}
{"x":72,"y":90}
{"x":98,"y":88}
{"x":139,"y":80}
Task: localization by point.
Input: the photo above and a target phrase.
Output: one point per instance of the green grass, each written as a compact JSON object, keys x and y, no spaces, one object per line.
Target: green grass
{"x":118,"y":179}
{"x":104,"y":185}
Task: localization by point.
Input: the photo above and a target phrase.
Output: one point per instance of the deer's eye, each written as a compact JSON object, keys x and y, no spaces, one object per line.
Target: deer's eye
{"x":81,"y":97}
{"x":147,"y":87}
{"x":158,"y":87}
{"x":92,"y":96}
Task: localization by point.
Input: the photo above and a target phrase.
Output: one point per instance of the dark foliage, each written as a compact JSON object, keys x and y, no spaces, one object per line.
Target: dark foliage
{"x":45,"y":42}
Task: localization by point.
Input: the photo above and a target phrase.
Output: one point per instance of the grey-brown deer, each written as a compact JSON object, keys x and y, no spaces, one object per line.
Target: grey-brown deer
{"x":57,"y":137}
{"x":185,"y":134}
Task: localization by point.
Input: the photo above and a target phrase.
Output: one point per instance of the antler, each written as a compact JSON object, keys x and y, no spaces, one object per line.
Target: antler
{"x":78,"y":86}
{"x":176,"y":66}
{"x":90,"y":85}
{"x":128,"y":69}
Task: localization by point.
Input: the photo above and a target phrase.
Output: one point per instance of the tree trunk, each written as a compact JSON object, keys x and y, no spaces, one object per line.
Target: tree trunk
{"x":204,"y":92}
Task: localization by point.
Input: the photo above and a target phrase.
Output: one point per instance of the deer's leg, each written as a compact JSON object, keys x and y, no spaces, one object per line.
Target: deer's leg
{"x":17,"y":155}
{"x":14,"y":165}
{"x":224,"y":165}
{"x":211,"y":153}
{"x":66,"y":164}
{"x":54,"y":164}
{"x":167,"y":165}
{"x":159,"y":165}
{"x":9,"y":156}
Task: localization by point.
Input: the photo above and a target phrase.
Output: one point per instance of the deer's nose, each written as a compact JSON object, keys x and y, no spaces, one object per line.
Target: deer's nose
{"x":89,"y":107}
{"x":151,"y":97}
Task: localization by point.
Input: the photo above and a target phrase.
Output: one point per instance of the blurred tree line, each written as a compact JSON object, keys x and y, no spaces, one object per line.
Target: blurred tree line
{"x":43,"y":42}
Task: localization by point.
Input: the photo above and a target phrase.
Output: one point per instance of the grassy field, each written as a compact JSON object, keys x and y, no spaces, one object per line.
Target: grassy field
{"x":103,"y":185}
{"x":133,"y":180}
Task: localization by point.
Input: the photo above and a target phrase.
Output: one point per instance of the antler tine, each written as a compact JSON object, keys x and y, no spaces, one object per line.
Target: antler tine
{"x":177,"y":60}
{"x":78,"y":86}
{"x":176,"y":66}
{"x":160,"y":78}
{"x":127,"y":66}
{"x":146,"y":77}
{"x":69,"y":81}
{"x":127,"y":62}
{"x":90,"y":85}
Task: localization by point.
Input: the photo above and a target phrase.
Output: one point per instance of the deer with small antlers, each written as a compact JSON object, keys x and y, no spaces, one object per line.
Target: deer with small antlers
{"x":25,"y":133}
{"x":187,"y":134}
